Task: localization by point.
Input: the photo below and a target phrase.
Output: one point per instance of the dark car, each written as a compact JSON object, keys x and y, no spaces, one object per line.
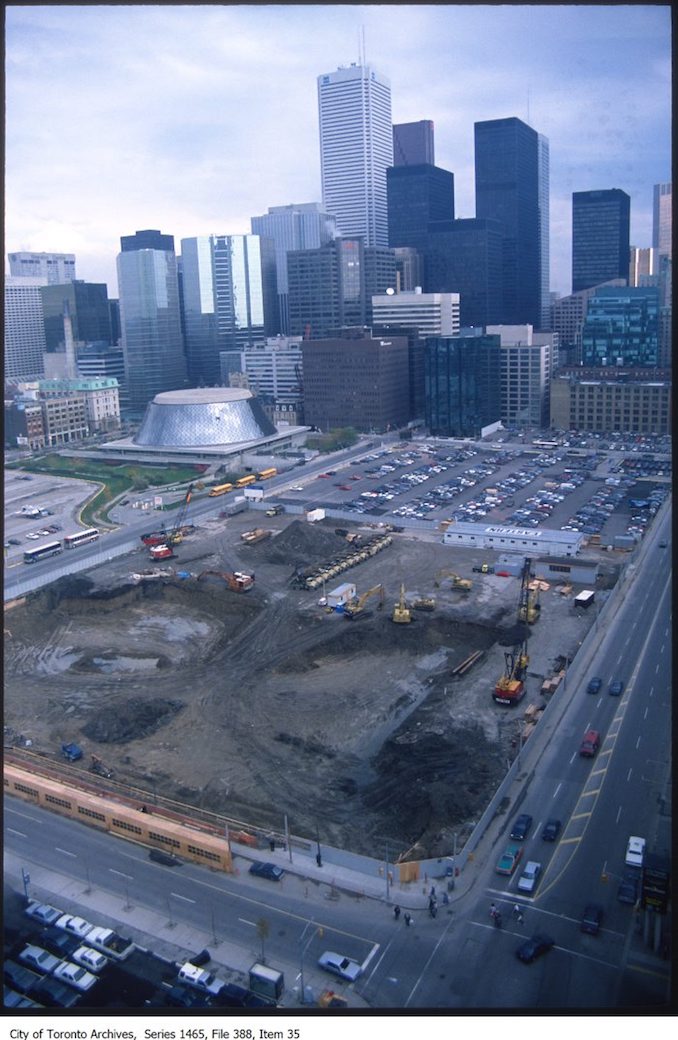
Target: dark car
{"x":551,"y":830}
{"x":628,"y":889}
{"x":616,"y":687}
{"x":520,"y":827}
{"x":59,"y":942}
{"x":594,"y":685}
{"x":534,"y":947}
{"x":202,"y":958}
{"x":166,"y":858}
{"x":591,"y":919}
{"x":14,"y":541}
{"x":271,"y":871}
{"x":186,"y":996}
{"x":232,"y":995}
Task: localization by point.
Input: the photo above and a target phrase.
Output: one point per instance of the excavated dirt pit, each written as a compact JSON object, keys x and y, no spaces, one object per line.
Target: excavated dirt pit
{"x":262,"y":704}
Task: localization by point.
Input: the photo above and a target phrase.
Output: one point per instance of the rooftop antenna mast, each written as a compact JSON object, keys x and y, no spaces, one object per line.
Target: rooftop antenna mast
{"x":362,"y":45}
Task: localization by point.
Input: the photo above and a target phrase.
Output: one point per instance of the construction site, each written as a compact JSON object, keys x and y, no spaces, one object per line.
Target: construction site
{"x":343,"y":679}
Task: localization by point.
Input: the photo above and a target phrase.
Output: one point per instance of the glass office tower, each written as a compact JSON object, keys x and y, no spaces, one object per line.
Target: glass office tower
{"x":622,"y":328}
{"x":462,"y":380}
{"x":149,"y":316}
{"x":600,"y":237}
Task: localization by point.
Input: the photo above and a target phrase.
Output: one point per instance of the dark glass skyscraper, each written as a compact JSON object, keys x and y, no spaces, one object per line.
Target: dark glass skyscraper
{"x":88,"y":309}
{"x":462,"y":384}
{"x":511,"y":179}
{"x":600,"y":237}
{"x":466,"y":257}
{"x":622,"y":328}
{"x":413,"y":143}
{"x":417,"y":195}
{"x":149,"y":316}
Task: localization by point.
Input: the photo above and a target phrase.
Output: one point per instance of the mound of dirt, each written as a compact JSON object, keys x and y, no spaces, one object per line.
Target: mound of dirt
{"x":130,"y":720}
{"x":302,"y":544}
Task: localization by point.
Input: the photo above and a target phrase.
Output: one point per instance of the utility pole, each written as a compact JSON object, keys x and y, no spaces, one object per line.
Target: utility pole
{"x":25,"y":877}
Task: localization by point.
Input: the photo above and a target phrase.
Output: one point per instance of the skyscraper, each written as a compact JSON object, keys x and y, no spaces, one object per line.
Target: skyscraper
{"x":24,"y":332}
{"x":462,"y":384}
{"x":512,"y":187}
{"x":149,"y":316}
{"x":600,"y":237}
{"x":57,"y":268}
{"x":466,"y":257}
{"x":304,"y":226}
{"x":88,"y":308}
{"x":662,"y":219}
{"x":413,"y":143}
{"x":417,"y":195}
{"x":356,"y":149}
{"x":229,"y":302}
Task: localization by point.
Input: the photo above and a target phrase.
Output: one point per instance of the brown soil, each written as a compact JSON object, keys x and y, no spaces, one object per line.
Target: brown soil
{"x":262,"y":705}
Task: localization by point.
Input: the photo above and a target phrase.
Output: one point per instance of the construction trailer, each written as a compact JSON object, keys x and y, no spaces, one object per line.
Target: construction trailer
{"x":345,"y":593}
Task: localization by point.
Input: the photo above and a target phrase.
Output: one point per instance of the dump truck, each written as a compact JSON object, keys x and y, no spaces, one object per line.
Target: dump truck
{"x":236,"y":581}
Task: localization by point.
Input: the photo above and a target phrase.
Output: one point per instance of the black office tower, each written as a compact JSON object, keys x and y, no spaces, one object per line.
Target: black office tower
{"x":466,"y":257}
{"x":417,"y":196}
{"x":413,"y":143}
{"x":462,"y":384}
{"x":512,"y":187}
{"x":88,"y":306}
{"x":600,"y":237}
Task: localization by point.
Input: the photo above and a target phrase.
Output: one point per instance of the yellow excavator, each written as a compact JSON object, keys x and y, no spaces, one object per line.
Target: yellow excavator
{"x":462,"y":584}
{"x":401,"y":612}
{"x":357,"y":607}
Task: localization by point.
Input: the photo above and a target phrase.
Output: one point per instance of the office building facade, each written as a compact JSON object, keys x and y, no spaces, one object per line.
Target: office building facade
{"x":413,"y":143}
{"x":149,"y":315}
{"x":356,"y":149}
{"x":466,"y":257}
{"x":636,"y":401}
{"x":527,"y":363}
{"x":229,"y":299}
{"x":643,"y":267}
{"x":512,"y":187}
{"x":600,"y":237}
{"x":332,"y":287}
{"x":24,"y":327}
{"x":356,"y":380}
{"x":568,"y":314}
{"x":662,"y":219}
{"x":417,"y":195}
{"x":432,"y":314}
{"x":409,"y":268}
{"x":622,"y":328}
{"x":88,"y":308}
{"x":303,"y":226}
{"x":57,"y":268}
{"x":462,"y":384}
{"x":274,"y":372}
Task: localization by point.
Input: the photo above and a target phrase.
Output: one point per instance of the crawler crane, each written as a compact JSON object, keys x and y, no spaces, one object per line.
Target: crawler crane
{"x":401,"y":612}
{"x":510,"y":688}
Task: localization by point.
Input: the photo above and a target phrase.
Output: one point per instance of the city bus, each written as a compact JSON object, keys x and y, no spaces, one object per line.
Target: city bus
{"x":244,"y":481}
{"x":544,"y":444}
{"x":72,"y":541}
{"x":41,"y":552}
{"x":220,"y":489}
{"x":266,"y":473}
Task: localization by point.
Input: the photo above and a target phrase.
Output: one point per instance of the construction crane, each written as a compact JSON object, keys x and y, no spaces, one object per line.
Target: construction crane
{"x":530,"y":607}
{"x":355,"y":609}
{"x":510,"y":688}
{"x":401,"y":612}
{"x":237,"y":581}
{"x":176,"y":534}
{"x":462,"y":584}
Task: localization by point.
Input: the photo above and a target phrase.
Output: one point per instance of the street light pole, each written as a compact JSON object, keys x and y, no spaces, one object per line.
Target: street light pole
{"x":25,"y":877}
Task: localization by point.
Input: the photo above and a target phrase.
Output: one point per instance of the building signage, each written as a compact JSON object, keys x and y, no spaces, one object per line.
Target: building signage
{"x":514,"y":532}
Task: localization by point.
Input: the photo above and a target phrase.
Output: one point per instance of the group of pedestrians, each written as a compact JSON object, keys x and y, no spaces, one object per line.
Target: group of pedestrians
{"x":432,"y":907}
{"x":407,"y":918}
{"x":495,"y":914}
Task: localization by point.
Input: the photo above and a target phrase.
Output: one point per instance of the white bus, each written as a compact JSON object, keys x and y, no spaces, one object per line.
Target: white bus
{"x":72,"y":541}
{"x":41,"y":552}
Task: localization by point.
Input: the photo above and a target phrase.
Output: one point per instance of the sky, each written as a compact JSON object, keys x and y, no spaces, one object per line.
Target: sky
{"x":193,"y":118}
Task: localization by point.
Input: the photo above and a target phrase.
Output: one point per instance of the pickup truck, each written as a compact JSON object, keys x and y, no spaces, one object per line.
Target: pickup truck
{"x":509,"y":859}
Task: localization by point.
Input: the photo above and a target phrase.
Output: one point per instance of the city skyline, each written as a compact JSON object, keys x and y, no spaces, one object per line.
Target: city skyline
{"x":229,"y":124}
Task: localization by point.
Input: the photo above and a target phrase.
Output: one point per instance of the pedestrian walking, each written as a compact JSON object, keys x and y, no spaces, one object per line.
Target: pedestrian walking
{"x":432,"y":909}
{"x":396,"y":912}
{"x":518,"y":913}
{"x":493,"y":910}
{"x":407,"y":919}
{"x":497,"y":920}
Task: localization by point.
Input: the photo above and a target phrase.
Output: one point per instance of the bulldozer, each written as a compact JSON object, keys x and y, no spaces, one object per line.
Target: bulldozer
{"x":357,"y":607}
{"x":401,"y":612}
{"x":459,"y":583}
{"x":424,"y":603}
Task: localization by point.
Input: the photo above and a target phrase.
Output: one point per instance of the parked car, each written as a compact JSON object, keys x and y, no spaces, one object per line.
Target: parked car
{"x":535,"y":947}
{"x":200,"y":979}
{"x":14,"y":541}
{"x":166,"y":858}
{"x":43,"y":912}
{"x":75,"y":975}
{"x":590,"y":743}
{"x":527,"y":881}
{"x":628,"y":889}
{"x":521,"y":827}
{"x":74,"y":925}
{"x":186,"y":997}
{"x":202,"y":958}
{"x":635,"y":852}
{"x":344,"y":967}
{"x":551,"y":830}
{"x":594,"y":685}
{"x":89,"y":958}
{"x":591,"y":919}
{"x":616,"y":687}
{"x":58,"y":942}
{"x":40,"y":959}
{"x":271,"y":871}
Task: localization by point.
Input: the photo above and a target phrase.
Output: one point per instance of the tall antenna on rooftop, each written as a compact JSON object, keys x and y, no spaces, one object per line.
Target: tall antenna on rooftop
{"x":362,"y":33}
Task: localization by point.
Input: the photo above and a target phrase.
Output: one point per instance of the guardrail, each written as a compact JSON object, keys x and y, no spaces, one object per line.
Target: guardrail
{"x":31,"y":582}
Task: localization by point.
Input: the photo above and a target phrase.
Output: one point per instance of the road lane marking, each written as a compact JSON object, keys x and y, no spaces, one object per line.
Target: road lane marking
{"x":645,"y":713}
{"x":20,"y":833}
{"x":619,"y":811}
{"x":65,"y":852}
{"x":556,"y":790}
{"x":638,"y":743}
{"x":120,"y":873}
{"x":628,"y":775}
{"x":16,"y":812}
{"x":175,"y":895}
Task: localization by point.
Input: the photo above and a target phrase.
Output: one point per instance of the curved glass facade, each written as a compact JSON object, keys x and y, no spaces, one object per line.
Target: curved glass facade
{"x":208,"y":422}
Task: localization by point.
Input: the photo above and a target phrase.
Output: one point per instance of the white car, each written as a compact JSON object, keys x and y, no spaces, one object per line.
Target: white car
{"x":77,"y":926}
{"x":529,"y":877}
{"x":38,"y":958}
{"x":33,"y":536}
{"x":89,"y":958}
{"x":43,"y":912}
{"x":200,"y":979}
{"x":75,"y":976}
{"x":635,"y":851}
{"x":344,"y":967}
